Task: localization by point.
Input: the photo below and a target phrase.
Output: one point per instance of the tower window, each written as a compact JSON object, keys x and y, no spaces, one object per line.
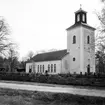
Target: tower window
{"x":74,"y":39}
{"x":73,"y":59}
{"x":78,"y":17}
{"x":83,"y":17}
{"x":88,"y":39}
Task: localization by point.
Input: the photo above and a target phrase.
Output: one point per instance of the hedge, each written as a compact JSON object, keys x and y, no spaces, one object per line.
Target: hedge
{"x":63,"y":79}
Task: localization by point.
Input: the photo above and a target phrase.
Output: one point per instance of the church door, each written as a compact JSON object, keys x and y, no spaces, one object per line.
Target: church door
{"x":88,"y":69}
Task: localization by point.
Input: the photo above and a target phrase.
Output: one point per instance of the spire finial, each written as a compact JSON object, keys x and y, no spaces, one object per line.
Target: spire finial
{"x":80,"y":6}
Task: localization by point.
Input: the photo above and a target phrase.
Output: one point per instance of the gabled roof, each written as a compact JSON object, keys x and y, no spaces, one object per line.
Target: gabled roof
{"x":49,"y":56}
{"x":80,"y":10}
{"x":80,"y":24}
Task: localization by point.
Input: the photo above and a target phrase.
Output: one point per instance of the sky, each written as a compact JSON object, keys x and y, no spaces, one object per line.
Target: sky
{"x":38,"y":25}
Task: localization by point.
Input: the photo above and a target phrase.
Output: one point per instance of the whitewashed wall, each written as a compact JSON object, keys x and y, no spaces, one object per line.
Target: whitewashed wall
{"x":81,"y":50}
{"x":28,"y":65}
{"x":45,"y":63}
{"x":74,"y":49}
{"x":89,"y":50}
{"x":65,"y":64}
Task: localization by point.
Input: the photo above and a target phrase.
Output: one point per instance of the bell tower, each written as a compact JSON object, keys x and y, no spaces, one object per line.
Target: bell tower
{"x":81,"y":44}
{"x":80,"y":16}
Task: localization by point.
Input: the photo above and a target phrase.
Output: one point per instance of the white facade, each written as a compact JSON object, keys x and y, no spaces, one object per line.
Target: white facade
{"x":81,"y":51}
{"x":53,"y":67}
{"x":74,"y":49}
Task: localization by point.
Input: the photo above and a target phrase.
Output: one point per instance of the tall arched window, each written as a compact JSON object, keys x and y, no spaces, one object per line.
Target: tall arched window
{"x":51,"y":67}
{"x":74,"y":39}
{"x":43,"y":68}
{"x":48,"y":68}
{"x":54,"y":67}
{"x":38,"y":68}
{"x":88,"y":39}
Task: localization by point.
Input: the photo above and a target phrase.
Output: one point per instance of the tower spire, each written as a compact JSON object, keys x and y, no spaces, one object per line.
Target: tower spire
{"x":80,"y":6}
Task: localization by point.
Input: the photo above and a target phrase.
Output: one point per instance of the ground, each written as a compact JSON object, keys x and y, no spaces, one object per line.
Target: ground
{"x":22,"y":97}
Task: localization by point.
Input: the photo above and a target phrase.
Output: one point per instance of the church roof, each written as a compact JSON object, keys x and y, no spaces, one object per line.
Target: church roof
{"x":49,"y":56}
{"x":80,"y":24}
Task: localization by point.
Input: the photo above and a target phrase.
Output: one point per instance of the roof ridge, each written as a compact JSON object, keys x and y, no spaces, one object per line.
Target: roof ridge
{"x":50,"y":52}
{"x":48,"y":56}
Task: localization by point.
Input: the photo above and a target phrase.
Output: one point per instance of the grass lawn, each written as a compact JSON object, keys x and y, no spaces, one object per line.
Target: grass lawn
{"x":22,"y":97}
{"x":15,"y":97}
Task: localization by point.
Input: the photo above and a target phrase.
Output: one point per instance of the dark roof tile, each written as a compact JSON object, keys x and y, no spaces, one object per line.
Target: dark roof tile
{"x":48,"y":56}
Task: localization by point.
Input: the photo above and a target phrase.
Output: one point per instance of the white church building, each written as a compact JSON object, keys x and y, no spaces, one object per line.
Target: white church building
{"x":79,"y":57}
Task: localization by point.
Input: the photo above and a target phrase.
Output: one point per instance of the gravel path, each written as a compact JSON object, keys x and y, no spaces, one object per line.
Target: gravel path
{"x":55,"y":88}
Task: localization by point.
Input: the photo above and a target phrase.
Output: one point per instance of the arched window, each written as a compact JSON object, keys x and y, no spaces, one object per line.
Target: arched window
{"x":74,"y":39}
{"x":78,"y":17}
{"x":83,"y":17}
{"x":73,"y":59}
{"x":38,"y":68}
{"x":88,"y":39}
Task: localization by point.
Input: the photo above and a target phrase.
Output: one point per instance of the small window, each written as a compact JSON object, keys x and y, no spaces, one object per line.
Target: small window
{"x":48,"y":68}
{"x":78,"y":17}
{"x":73,"y":59}
{"x":74,"y":39}
{"x":88,"y":39}
{"x":54,"y":67}
{"x":51,"y":67}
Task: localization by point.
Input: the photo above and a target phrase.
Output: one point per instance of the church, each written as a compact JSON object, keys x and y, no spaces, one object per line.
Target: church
{"x":79,"y":57}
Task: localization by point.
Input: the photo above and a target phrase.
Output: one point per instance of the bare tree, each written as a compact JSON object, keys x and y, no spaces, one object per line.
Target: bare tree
{"x":5,"y":42}
{"x":100,"y":35}
{"x":100,"y":40}
{"x":30,"y":54}
{"x":4,"y":36}
{"x":13,"y":59}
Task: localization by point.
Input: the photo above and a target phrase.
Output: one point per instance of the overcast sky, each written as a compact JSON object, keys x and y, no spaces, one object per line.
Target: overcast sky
{"x":41,"y":24}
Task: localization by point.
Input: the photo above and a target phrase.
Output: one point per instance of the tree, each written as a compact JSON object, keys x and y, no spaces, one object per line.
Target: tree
{"x":100,"y":62}
{"x":100,"y":40}
{"x":12,"y":59}
{"x":100,"y":35}
{"x":4,"y":38}
{"x":30,"y":55}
